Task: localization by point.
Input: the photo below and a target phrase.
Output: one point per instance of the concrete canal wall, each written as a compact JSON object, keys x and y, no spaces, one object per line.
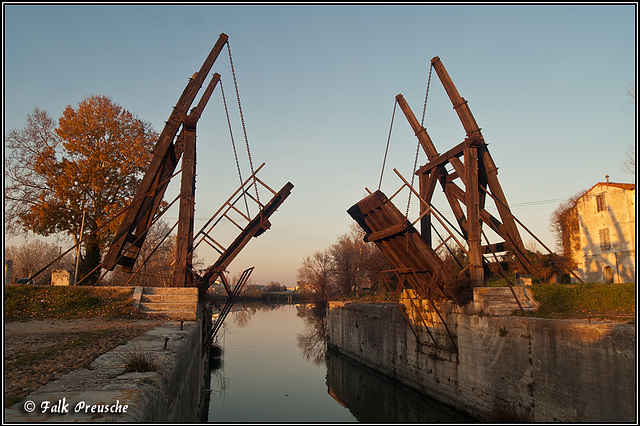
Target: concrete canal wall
{"x":506,"y":368}
{"x":174,"y":392}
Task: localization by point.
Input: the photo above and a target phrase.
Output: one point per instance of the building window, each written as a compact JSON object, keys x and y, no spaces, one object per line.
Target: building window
{"x":601,"y":203}
{"x":605,"y":242}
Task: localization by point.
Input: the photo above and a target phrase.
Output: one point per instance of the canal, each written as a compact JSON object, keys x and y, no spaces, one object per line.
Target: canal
{"x":275,"y":368}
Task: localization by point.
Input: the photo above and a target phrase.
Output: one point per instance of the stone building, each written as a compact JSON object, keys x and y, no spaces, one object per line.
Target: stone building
{"x":605,"y":251}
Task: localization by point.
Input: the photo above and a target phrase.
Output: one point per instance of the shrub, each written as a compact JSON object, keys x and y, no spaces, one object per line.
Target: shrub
{"x":136,"y":360}
{"x":585,"y":299}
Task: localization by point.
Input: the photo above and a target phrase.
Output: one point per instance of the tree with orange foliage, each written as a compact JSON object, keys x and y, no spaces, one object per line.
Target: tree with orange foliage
{"x":91,"y":162}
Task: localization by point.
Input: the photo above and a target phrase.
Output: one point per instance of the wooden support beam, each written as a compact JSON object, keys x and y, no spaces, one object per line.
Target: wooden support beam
{"x":495,"y":248}
{"x":387,"y":232}
{"x":184,"y":240}
{"x":421,"y":133}
{"x":442,"y":159}
{"x":400,"y":242}
{"x":473,"y":223}
{"x":427,"y":182}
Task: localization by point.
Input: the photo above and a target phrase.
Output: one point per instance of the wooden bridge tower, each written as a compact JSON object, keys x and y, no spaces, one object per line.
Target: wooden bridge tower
{"x":468,"y":188}
{"x":178,"y":139}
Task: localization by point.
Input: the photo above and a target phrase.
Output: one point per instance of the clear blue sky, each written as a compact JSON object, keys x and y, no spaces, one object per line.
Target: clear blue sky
{"x":546,"y":83}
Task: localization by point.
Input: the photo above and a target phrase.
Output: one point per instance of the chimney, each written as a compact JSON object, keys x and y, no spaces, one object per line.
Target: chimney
{"x":607,"y":177}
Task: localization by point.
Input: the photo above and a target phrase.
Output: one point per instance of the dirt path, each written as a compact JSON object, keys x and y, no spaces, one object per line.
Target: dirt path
{"x":38,"y":352}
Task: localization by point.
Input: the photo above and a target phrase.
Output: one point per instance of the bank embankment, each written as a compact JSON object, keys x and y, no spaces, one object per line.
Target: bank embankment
{"x":498,"y":368}
{"x":155,"y":377}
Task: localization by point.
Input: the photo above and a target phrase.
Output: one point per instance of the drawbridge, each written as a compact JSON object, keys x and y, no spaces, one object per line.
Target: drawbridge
{"x":468,"y":178}
{"x":176,"y":145}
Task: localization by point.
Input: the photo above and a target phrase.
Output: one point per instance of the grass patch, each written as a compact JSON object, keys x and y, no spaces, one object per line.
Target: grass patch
{"x":24,"y":302}
{"x":616,"y":301}
{"x":365,"y":297}
{"x":136,"y":360}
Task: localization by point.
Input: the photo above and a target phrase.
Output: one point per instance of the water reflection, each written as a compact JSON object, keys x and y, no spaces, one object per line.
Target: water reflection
{"x":275,"y":367}
{"x":272,"y":367}
{"x":374,"y":398}
{"x":312,"y":340}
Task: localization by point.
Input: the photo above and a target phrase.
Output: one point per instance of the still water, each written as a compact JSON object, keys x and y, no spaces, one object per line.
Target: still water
{"x":275,"y":368}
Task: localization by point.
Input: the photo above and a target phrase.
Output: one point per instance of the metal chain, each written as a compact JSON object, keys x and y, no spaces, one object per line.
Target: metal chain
{"x":413,"y":175}
{"x":415,"y":163}
{"x":395,"y":103}
{"x":426,"y":96}
{"x":244,"y":129}
{"x":233,"y":143}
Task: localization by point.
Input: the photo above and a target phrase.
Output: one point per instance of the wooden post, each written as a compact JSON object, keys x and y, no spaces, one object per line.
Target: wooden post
{"x":184,"y":243}
{"x":426,"y":192}
{"x":473,"y":221}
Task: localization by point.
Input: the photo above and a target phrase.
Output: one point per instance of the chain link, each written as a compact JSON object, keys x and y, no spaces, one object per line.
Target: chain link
{"x":244,"y":129}
{"x":415,"y":163}
{"x":233,"y":143}
{"x":426,"y":95}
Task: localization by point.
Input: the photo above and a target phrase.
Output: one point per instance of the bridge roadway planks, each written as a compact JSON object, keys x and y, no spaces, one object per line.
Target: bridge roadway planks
{"x":389,"y":229}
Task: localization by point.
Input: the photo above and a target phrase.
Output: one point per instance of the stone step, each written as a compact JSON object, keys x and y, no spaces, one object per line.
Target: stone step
{"x":500,"y":300}
{"x":146,"y":307}
{"x":481,"y":292}
{"x":171,"y":290}
{"x":168,"y":298}
{"x":507,"y":305}
{"x":189,"y":316}
{"x":168,"y":302}
{"x":521,"y":299}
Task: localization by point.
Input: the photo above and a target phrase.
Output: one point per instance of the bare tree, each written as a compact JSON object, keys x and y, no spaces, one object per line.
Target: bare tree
{"x":629,"y":163}
{"x":34,"y":255}
{"x":274,"y":286}
{"x":315,"y":273}
{"x":23,"y":149}
{"x":631,"y":91}
{"x":358,"y":263}
{"x":346,"y":256}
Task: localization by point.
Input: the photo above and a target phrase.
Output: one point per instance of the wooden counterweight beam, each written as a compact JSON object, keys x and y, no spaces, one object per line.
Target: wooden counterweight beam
{"x":490,"y":171}
{"x":164,"y":159}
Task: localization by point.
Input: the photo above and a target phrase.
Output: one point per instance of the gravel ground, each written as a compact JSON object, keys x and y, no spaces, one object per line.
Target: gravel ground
{"x":38,"y":352}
